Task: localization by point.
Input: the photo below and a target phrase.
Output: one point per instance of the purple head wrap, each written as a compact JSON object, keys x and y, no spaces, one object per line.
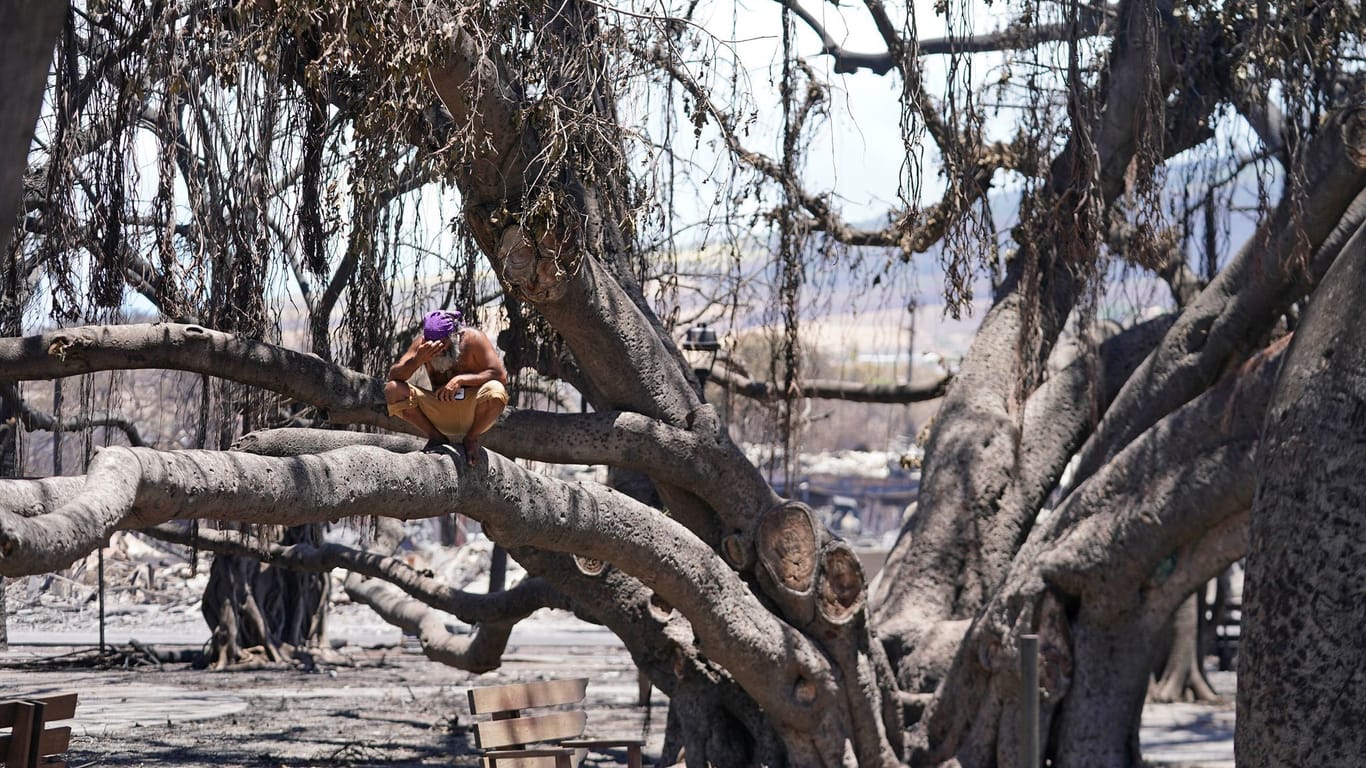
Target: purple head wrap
{"x":439,"y":324}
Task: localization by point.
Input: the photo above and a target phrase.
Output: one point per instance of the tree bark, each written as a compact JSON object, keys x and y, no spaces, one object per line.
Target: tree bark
{"x":1301,"y":659}
{"x":1097,"y":580}
{"x":45,"y":524}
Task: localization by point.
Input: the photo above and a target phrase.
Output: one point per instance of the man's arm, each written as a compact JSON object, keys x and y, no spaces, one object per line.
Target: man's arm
{"x":483,"y":363}
{"x":419,"y":352}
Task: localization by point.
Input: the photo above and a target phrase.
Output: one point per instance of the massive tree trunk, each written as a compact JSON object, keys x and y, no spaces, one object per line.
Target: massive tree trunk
{"x":990,"y":468}
{"x":573,"y":266}
{"x":1301,"y":660}
{"x":997,"y":451}
{"x":1098,"y":580}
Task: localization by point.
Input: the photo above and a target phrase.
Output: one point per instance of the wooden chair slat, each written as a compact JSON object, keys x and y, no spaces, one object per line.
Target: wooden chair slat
{"x":60,"y":706}
{"x":527,"y":695}
{"x":54,"y":741}
{"x":504,"y":736}
{"x":17,"y":748}
{"x":530,"y":730}
{"x":531,"y":758}
{"x":29,"y":744}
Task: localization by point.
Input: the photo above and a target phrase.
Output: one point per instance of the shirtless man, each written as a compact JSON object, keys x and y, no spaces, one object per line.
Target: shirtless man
{"x":467,"y":377}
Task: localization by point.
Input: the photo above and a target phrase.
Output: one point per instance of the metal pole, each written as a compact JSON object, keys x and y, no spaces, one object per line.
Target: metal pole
{"x":1029,"y":710}
{"x":101,"y":583}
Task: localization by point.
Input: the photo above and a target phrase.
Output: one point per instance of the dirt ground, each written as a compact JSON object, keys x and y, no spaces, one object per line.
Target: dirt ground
{"x":388,"y":708}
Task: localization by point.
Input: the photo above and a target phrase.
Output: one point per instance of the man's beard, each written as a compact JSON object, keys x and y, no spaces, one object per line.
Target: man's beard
{"x":445,"y":361}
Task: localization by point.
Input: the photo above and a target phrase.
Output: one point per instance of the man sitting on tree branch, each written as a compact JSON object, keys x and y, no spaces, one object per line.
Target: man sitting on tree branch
{"x":467,"y":383}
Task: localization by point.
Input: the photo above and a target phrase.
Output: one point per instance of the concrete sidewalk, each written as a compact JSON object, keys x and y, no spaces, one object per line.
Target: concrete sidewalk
{"x":1188,"y":735}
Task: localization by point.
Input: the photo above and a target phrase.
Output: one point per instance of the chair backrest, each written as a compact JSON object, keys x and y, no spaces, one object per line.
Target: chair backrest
{"x":30,"y":743}
{"x":509,"y":727}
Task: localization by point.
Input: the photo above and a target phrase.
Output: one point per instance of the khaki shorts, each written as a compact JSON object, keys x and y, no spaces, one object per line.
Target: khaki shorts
{"x":452,"y":417}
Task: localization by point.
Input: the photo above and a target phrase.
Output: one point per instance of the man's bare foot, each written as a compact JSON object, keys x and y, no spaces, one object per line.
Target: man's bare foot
{"x":472,"y":450}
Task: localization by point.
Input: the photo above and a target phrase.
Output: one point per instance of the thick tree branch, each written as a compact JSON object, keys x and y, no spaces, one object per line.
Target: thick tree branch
{"x":939,"y":571}
{"x":481,"y":651}
{"x":508,"y":606}
{"x":822,"y":389}
{"x":623,"y":439}
{"x":128,"y":487}
{"x":1196,"y":564}
{"x":399,"y":594}
{"x":846,"y":62}
{"x":1093,"y":20}
{"x":1180,"y":479}
{"x":1015,"y":36}
{"x":663,"y":644}
{"x":347,"y":397}
{"x":1057,"y":418}
{"x":1244,"y":299}
{"x":710,"y":469}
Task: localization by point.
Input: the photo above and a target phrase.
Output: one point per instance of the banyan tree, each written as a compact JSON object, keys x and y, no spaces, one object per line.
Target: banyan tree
{"x":1087,"y":470}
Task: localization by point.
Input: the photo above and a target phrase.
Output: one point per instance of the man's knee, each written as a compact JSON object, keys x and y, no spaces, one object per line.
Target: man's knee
{"x":396,"y":391}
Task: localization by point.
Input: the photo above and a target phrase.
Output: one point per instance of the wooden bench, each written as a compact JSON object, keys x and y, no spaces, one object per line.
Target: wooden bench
{"x":504,"y":738}
{"x":30,"y":743}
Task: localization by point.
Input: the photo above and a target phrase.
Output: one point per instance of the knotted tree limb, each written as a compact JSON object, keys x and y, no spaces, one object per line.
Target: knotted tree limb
{"x":1057,"y":418}
{"x":480,"y":651}
{"x":973,"y":456}
{"x":706,"y":466}
{"x":853,"y":392}
{"x":346,"y":396}
{"x":1105,"y":553}
{"x":510,"y":605}
{"x":136,"y":488}
{"x":398,"y":593}
{"x":1244,"y":299}
{"x":1185,"y":475}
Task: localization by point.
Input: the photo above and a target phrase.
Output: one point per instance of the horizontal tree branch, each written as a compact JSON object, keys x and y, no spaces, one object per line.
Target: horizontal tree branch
{"x":1013,"y":37}
{"x":511,"y":605}
{"x":138,"y":487}
{"x":1197,"y":563}
{"x":824,"y":389}
{"x":398,"y":593}
{"x":695,"y":457}
{"x":347,"y":397}
{"x":481,"y":651}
